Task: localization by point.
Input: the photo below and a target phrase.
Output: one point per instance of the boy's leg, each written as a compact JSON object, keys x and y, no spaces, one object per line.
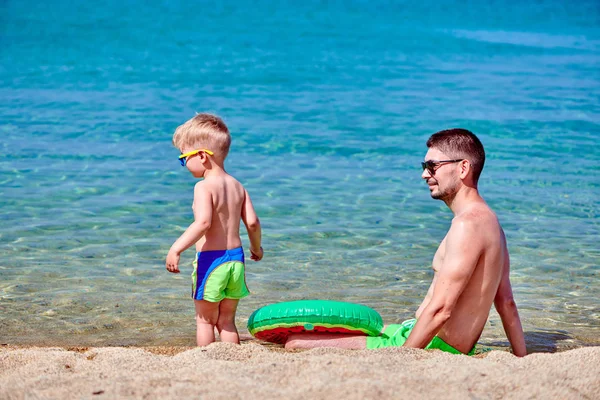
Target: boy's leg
{"x":226,"y":321}
{"x":207,"y":315}
{"x":312,"y":340}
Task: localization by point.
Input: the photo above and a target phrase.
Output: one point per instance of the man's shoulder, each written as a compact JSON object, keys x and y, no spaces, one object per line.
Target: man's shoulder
{"x":475,"y":220}
{"x":477,"y":214}
{"x":477,"y":225}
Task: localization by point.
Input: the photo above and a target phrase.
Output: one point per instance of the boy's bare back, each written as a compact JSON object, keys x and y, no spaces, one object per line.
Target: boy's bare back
{"x":223,"y":197}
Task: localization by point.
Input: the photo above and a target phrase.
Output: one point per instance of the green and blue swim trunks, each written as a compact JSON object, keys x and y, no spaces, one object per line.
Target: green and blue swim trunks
{"x":395,"y":335}
{"x":218,"y":275}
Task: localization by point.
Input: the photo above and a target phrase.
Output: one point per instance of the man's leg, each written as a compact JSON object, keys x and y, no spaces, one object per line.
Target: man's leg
{"x":312,"y":340}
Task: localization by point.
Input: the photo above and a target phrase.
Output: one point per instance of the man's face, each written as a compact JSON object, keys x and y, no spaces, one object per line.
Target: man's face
{"x":444,"y":182}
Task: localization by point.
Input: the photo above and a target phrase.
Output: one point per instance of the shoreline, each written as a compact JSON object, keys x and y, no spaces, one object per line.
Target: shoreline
{"x":223,"y":370}
{"x":545,"y":342}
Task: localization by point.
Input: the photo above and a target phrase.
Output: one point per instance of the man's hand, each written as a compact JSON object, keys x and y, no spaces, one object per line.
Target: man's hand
{"x":173,"y":262}
{"x":257,"y":255}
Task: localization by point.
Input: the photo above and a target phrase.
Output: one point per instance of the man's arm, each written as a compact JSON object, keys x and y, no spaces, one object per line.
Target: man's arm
{"x":427,"y":298}
{"x":507,"y":309}
{"x":463,"y":248}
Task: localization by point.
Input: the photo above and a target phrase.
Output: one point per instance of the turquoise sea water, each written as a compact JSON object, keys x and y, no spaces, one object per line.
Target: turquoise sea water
{"x":330,"y":105}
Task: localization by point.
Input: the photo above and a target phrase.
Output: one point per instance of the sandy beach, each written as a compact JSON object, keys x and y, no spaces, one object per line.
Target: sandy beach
{"x":253,"y":370}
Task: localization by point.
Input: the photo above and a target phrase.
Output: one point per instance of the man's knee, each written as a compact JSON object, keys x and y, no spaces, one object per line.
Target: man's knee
{"x":302,"y":341}
{"x":293,"y":344}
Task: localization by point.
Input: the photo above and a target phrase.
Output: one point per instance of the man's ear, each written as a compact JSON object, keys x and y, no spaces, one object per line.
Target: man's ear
{"x":465,"y":168}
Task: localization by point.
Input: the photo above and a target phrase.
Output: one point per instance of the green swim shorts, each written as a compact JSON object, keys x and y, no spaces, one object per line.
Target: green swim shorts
{"x":395,"y":335}
{"x":218,"y":275}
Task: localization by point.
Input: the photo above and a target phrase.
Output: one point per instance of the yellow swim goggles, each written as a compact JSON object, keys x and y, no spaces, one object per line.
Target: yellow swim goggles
{"x":183,"y":158}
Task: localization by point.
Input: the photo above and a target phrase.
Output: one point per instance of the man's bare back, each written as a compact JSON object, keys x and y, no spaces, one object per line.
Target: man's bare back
{"x":470,"y":313}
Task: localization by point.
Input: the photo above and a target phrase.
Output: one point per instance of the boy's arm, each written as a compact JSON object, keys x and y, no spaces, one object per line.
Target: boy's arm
{"x":203,"y":210}
{"x":507,"y":309}
{"x":252,"y":223}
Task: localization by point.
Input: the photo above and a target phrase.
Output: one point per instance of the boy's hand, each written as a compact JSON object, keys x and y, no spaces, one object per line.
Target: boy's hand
{"x":257,"y":255}
{"x":173,"y":262}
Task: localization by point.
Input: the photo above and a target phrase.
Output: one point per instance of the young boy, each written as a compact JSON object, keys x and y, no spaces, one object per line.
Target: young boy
{"x":220,"y":201}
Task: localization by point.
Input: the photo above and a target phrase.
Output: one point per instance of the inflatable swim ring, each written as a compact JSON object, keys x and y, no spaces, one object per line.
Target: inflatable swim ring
{"x":275,"y":322}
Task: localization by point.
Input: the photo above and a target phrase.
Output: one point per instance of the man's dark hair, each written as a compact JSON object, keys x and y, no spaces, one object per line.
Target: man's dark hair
{"x":460,"y":143}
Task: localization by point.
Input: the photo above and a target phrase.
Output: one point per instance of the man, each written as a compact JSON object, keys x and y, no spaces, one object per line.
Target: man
{"x":471,"y":266}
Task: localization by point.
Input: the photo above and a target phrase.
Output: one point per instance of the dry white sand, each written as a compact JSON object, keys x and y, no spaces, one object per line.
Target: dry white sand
{"x":255,"y":371}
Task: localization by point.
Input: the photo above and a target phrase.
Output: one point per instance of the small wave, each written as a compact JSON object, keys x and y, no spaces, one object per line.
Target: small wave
{"x":529,"y":39}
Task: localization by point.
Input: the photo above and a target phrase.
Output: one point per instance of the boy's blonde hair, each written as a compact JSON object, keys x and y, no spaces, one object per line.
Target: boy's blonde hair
{"x":204,"y":131}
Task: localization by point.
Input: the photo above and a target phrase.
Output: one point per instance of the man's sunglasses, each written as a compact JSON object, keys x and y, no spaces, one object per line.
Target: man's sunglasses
{"x":431,"y":165}
{"x":183,"y":158}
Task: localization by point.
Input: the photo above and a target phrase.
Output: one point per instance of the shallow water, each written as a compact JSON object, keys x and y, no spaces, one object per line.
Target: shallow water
{"x":329,"y":107}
